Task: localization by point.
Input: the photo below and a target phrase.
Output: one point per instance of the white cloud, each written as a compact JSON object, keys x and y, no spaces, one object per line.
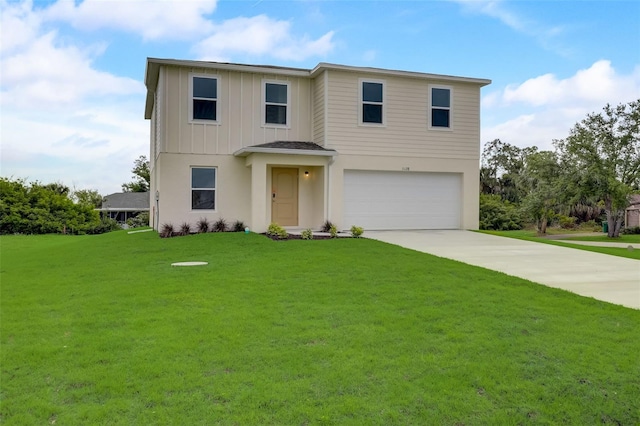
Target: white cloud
{"x":61,"y":117}
{"x":160,"y":19}
{"x":18,"y":25}
{"x":545,"y":35}
{"x":260,"y":36}
{"x":549,"y":107}
{"x":47,"y":74}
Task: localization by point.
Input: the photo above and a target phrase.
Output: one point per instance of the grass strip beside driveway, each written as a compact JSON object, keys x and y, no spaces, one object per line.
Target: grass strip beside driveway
{"x":101,"y":329}
{"x":612,"y":251}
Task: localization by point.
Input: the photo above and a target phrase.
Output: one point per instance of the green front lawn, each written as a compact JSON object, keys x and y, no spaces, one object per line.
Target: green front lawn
{"x":102,"y":330}
{"x":528,"y":235}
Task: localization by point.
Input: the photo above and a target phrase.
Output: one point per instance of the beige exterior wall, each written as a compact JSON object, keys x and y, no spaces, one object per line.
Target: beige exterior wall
{"x":240,"y":112}
{"x":173,"y":177}
{"x":406,"y":130}
{"x":319,"y":108}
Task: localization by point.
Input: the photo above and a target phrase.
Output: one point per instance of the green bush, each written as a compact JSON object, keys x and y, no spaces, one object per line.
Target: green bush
{"x":356,"y":231}
{"x":277,"y":231}
{"x":307,"y":234}
{"x":633,"y":230}
{"x":44,"y":209}
{"x":498,"y":215}
{"x":142,"y":219}
{"x":238,"y":226}
{"x":566,"y":222}
{"x":333,"y":231}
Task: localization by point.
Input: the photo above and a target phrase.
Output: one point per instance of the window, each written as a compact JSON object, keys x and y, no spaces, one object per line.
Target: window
{"x":204,"y":98}
{"x":441,"y":107}
{"x":372,"y":102}
{"x":276,"y":101}
{"x":203,"y":188}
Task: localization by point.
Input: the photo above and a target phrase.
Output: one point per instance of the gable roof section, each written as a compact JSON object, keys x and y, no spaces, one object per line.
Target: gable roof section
{"x":287,"y":147}
{"x":126,"y":201}
{"x":152,"y":73}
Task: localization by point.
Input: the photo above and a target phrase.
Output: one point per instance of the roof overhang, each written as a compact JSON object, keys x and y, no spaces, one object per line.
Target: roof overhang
{"x":244,"y":152}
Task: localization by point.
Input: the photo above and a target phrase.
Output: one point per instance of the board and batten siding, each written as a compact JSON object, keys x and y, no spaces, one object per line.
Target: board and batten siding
{"x":240,"y":112}
{"x":406,"y":130}
{"x":319,"y":108}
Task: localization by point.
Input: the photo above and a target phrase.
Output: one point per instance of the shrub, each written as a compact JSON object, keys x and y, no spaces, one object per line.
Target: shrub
{"x":238,"y":226}
{"x":219,"y":225}
{"x":326,"y":226}
{"x":203,"y":225}
{"x":307,"y":234}
{"x":499,"y":215}
{"x":166,"y":230}
{"x":277,"y":231}
{"x":356,"y":231}
{"x":590,"y":225}
{"x":566,"y":222}
{"x":333,"y":231}
{"x":631,"y":230}
{"x":105,"y":225}
{"x":185,"y":228}
{"x":142,"y":219}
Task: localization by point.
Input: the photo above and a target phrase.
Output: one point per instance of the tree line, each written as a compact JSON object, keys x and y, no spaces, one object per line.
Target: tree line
{"x":590,"y":173}
{"x":36,"y":208}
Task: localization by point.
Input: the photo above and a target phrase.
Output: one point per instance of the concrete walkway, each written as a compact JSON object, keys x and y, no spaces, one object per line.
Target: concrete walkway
{"x":609,"y":278}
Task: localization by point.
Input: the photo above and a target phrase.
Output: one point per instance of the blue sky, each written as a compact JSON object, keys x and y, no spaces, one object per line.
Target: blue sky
{"x":71,"y":73}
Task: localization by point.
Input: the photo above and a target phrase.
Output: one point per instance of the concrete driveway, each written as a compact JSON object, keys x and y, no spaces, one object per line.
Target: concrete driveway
{"x":609,"y":278}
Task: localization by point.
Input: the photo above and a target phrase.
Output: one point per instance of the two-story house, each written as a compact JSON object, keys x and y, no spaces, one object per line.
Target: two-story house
{"x":376,"y":148}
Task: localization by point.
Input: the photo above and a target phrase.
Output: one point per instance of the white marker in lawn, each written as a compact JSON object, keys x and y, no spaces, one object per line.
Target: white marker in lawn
{"x":189,"y":263}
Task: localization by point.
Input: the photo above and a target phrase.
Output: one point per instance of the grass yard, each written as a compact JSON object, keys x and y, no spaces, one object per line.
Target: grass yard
{"x":613,"y":251}
{"x":102,"y":330}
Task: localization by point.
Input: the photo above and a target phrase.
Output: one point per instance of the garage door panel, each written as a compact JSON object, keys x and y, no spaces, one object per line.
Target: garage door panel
{"x":401,"y":200}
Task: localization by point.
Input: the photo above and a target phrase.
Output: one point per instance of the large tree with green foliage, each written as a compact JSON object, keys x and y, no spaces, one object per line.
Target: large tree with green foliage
{"x":540,"y":180}
{"x":502,"y":165}
{"x":88,"y":197}
{"x":602,"y":158}
{"x":141,"y":176}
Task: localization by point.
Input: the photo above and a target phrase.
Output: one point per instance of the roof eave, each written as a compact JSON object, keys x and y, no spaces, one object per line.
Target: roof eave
{"x":243,"y":152}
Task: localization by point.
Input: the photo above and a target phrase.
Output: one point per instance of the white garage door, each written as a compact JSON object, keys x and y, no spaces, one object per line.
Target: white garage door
{"x":402,"y":200}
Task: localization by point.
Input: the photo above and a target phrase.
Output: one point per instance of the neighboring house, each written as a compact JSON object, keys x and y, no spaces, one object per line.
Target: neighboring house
{"x":121,"y":206}
{"x":376,"y":148}
{"x":632,"y":213}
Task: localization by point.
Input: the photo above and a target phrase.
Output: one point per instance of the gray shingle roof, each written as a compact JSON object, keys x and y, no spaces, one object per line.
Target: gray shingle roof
{"x":130,"y":201}
{"x":292,"y":145}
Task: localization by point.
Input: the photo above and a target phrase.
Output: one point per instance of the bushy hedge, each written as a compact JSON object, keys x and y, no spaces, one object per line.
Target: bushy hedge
{"x":44,"y":209}
{"x":499,"y":215}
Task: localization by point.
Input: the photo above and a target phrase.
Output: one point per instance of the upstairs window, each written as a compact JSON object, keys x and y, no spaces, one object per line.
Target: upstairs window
{"x":372,"y":102}
{"x":203,"y":188}
{"x":441,"y":107}
{"x":276,"y":103}
{"x":204,"y":98}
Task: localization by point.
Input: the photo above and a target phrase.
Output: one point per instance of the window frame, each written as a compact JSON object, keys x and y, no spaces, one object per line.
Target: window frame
{"x":432,"y":107}
{"x":264,"y":103}
{"x":214,"y":189}
{"x":216,"y":77}
{"x":362,"y":102}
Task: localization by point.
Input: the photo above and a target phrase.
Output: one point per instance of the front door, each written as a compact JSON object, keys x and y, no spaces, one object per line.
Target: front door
{"x":284,"y":196}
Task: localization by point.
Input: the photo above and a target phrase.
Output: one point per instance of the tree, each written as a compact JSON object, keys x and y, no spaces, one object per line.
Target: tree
{"x":540,"y":180}
{"x":502,"y":165}
{"x":602,"y":156}
{"x":88,"y":197}
{"x":42,"y":209}
{"x":141,"y":176}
